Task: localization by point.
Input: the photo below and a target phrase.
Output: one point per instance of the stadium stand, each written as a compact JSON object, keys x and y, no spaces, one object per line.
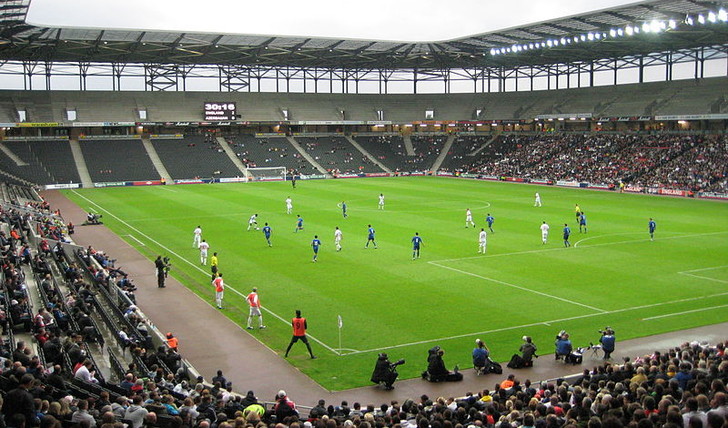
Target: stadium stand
{"x":33,"y":171}
{"x":194,"y":156}
{"x":268,"y":152}
{"x":388,"y":149}
{"x":104,"y":164}
{"x":682,"y":161}
{"x":655,"y":98}
{"x":462,"y":146}
{"x":336,"y":155}
{"x":427,"y":148}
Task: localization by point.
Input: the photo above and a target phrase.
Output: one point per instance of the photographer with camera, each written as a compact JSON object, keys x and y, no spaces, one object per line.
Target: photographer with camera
{"x":385,"y":372}
{"x":563,"y":345}
{"x":608,"y":341}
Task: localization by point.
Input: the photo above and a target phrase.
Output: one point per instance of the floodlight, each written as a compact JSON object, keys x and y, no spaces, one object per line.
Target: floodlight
{"x":493,"y":51}
{"x":620,"y":32}
{"x":672,"y":24}
{"x":636,"y":29}
{"x":597,"y":36}
{"x":549,"y":42}
{"x":590,"y":36}
{"x":508,"y":49}
{"x":576,"y":39}
{"x":613,"y":33}
{"x":582,"y":37}
{"x":629,"y":30}
{"x":723,"y":15}
{"x":503,"y":50}
{"x":556,"y":42}
{"x":689,"y":20}
{"x":646,"y":27}
{"x":712,"y":17}
{"x":563,"y":41}
{"x":701,"y":19}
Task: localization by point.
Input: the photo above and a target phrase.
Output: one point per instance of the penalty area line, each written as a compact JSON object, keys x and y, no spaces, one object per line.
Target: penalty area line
{"x":508,"y":284}
{"x":684,"y":312}
{"x":194,"y":265}
{"x":538,"y":323}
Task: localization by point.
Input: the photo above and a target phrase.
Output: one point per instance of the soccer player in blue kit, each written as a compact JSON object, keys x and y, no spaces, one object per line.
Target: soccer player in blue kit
{"x":652,"y":226}
{"x":266,"y":232}
{"x":315,"y":244}
{"x":299,"y":223}
{"x":416,"y":244}
{"x":582,"y":222}
{"x":370,"y":238}
{"x":567,"y":232}
{"x":490,"y":219}
{"x":343,"y":209}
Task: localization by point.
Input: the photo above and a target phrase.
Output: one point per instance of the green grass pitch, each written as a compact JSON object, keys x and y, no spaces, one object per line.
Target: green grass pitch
{"x":614,"y":275}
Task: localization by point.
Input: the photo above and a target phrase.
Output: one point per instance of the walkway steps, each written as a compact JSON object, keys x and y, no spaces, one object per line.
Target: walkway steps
{"x":369,"y":156}
{"x":80,"y":164}
{"x":307,"y":156}
{"x":408,"y":147}
{"x":156,"y":161}
{"x":443,"y":153}
{"x":233,"y":157}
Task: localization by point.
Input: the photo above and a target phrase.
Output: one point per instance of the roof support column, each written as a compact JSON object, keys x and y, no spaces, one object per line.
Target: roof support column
{"x":641,"y":69}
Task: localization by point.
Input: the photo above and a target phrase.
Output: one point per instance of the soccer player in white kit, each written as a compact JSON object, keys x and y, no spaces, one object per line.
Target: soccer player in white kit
{"x":482,"y":238}
{"x":381,"y":201}
{"x":253,"y":221}
{"x":289,"y":205}
{"x":544,"y":232}
{"x":219,"y":290}
{"x":197,"y":237}
{"x":537,"y":203}
{"x":337,"y":238}
{"x":254,"y":303}
{"x":469,"y":218}
{"x":204,"y":246}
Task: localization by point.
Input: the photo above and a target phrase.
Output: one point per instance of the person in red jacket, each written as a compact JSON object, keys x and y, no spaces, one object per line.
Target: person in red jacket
{"x":299,"y":333}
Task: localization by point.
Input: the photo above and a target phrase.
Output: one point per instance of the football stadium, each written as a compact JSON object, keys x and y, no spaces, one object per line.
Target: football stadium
{"x":506,"y":223}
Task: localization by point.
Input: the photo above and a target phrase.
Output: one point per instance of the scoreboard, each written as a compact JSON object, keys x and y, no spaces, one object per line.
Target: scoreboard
{"x":215,"y":111}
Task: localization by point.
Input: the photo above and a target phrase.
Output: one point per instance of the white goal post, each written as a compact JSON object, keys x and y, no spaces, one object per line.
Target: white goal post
{"x":276,"y":173}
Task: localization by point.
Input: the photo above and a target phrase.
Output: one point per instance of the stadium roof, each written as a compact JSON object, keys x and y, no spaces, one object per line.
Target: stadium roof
{"x":21,"y":41}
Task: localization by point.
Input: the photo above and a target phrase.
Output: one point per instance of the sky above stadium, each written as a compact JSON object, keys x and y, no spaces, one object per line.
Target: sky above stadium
{"x":395,"y":20}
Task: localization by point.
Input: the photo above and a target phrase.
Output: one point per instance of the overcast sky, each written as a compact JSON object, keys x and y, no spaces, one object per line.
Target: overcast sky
{"x":397,"y":20}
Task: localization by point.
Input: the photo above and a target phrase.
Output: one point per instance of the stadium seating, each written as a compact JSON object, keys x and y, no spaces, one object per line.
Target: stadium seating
{"x":387,"y":149}
{"x":195,"y":156}
{"x":336,"y":155}
{"x":105,"y":163}
{"x":269,"y":152}
{"x":654,"y":98}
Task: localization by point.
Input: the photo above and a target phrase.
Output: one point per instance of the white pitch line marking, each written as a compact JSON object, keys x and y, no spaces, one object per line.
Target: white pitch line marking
{"x":707,"y":278}
{"x":534,"y":324}
{"x":134,"y":238}
{"x":194,"y":265}
{"x":566,"y":249}
{"x":508,"y":284}
{"x":702,"y":269}
{"x":684,"y":312}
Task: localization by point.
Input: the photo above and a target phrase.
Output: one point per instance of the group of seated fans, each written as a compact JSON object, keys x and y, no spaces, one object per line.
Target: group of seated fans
{"x":53,"y":382}
{"x":686,"y":162}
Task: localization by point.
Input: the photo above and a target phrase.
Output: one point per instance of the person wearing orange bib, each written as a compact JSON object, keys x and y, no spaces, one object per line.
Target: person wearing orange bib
{"x":254,"y":303}
{"x":219,"y":290}
{"x":299,"y":333}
